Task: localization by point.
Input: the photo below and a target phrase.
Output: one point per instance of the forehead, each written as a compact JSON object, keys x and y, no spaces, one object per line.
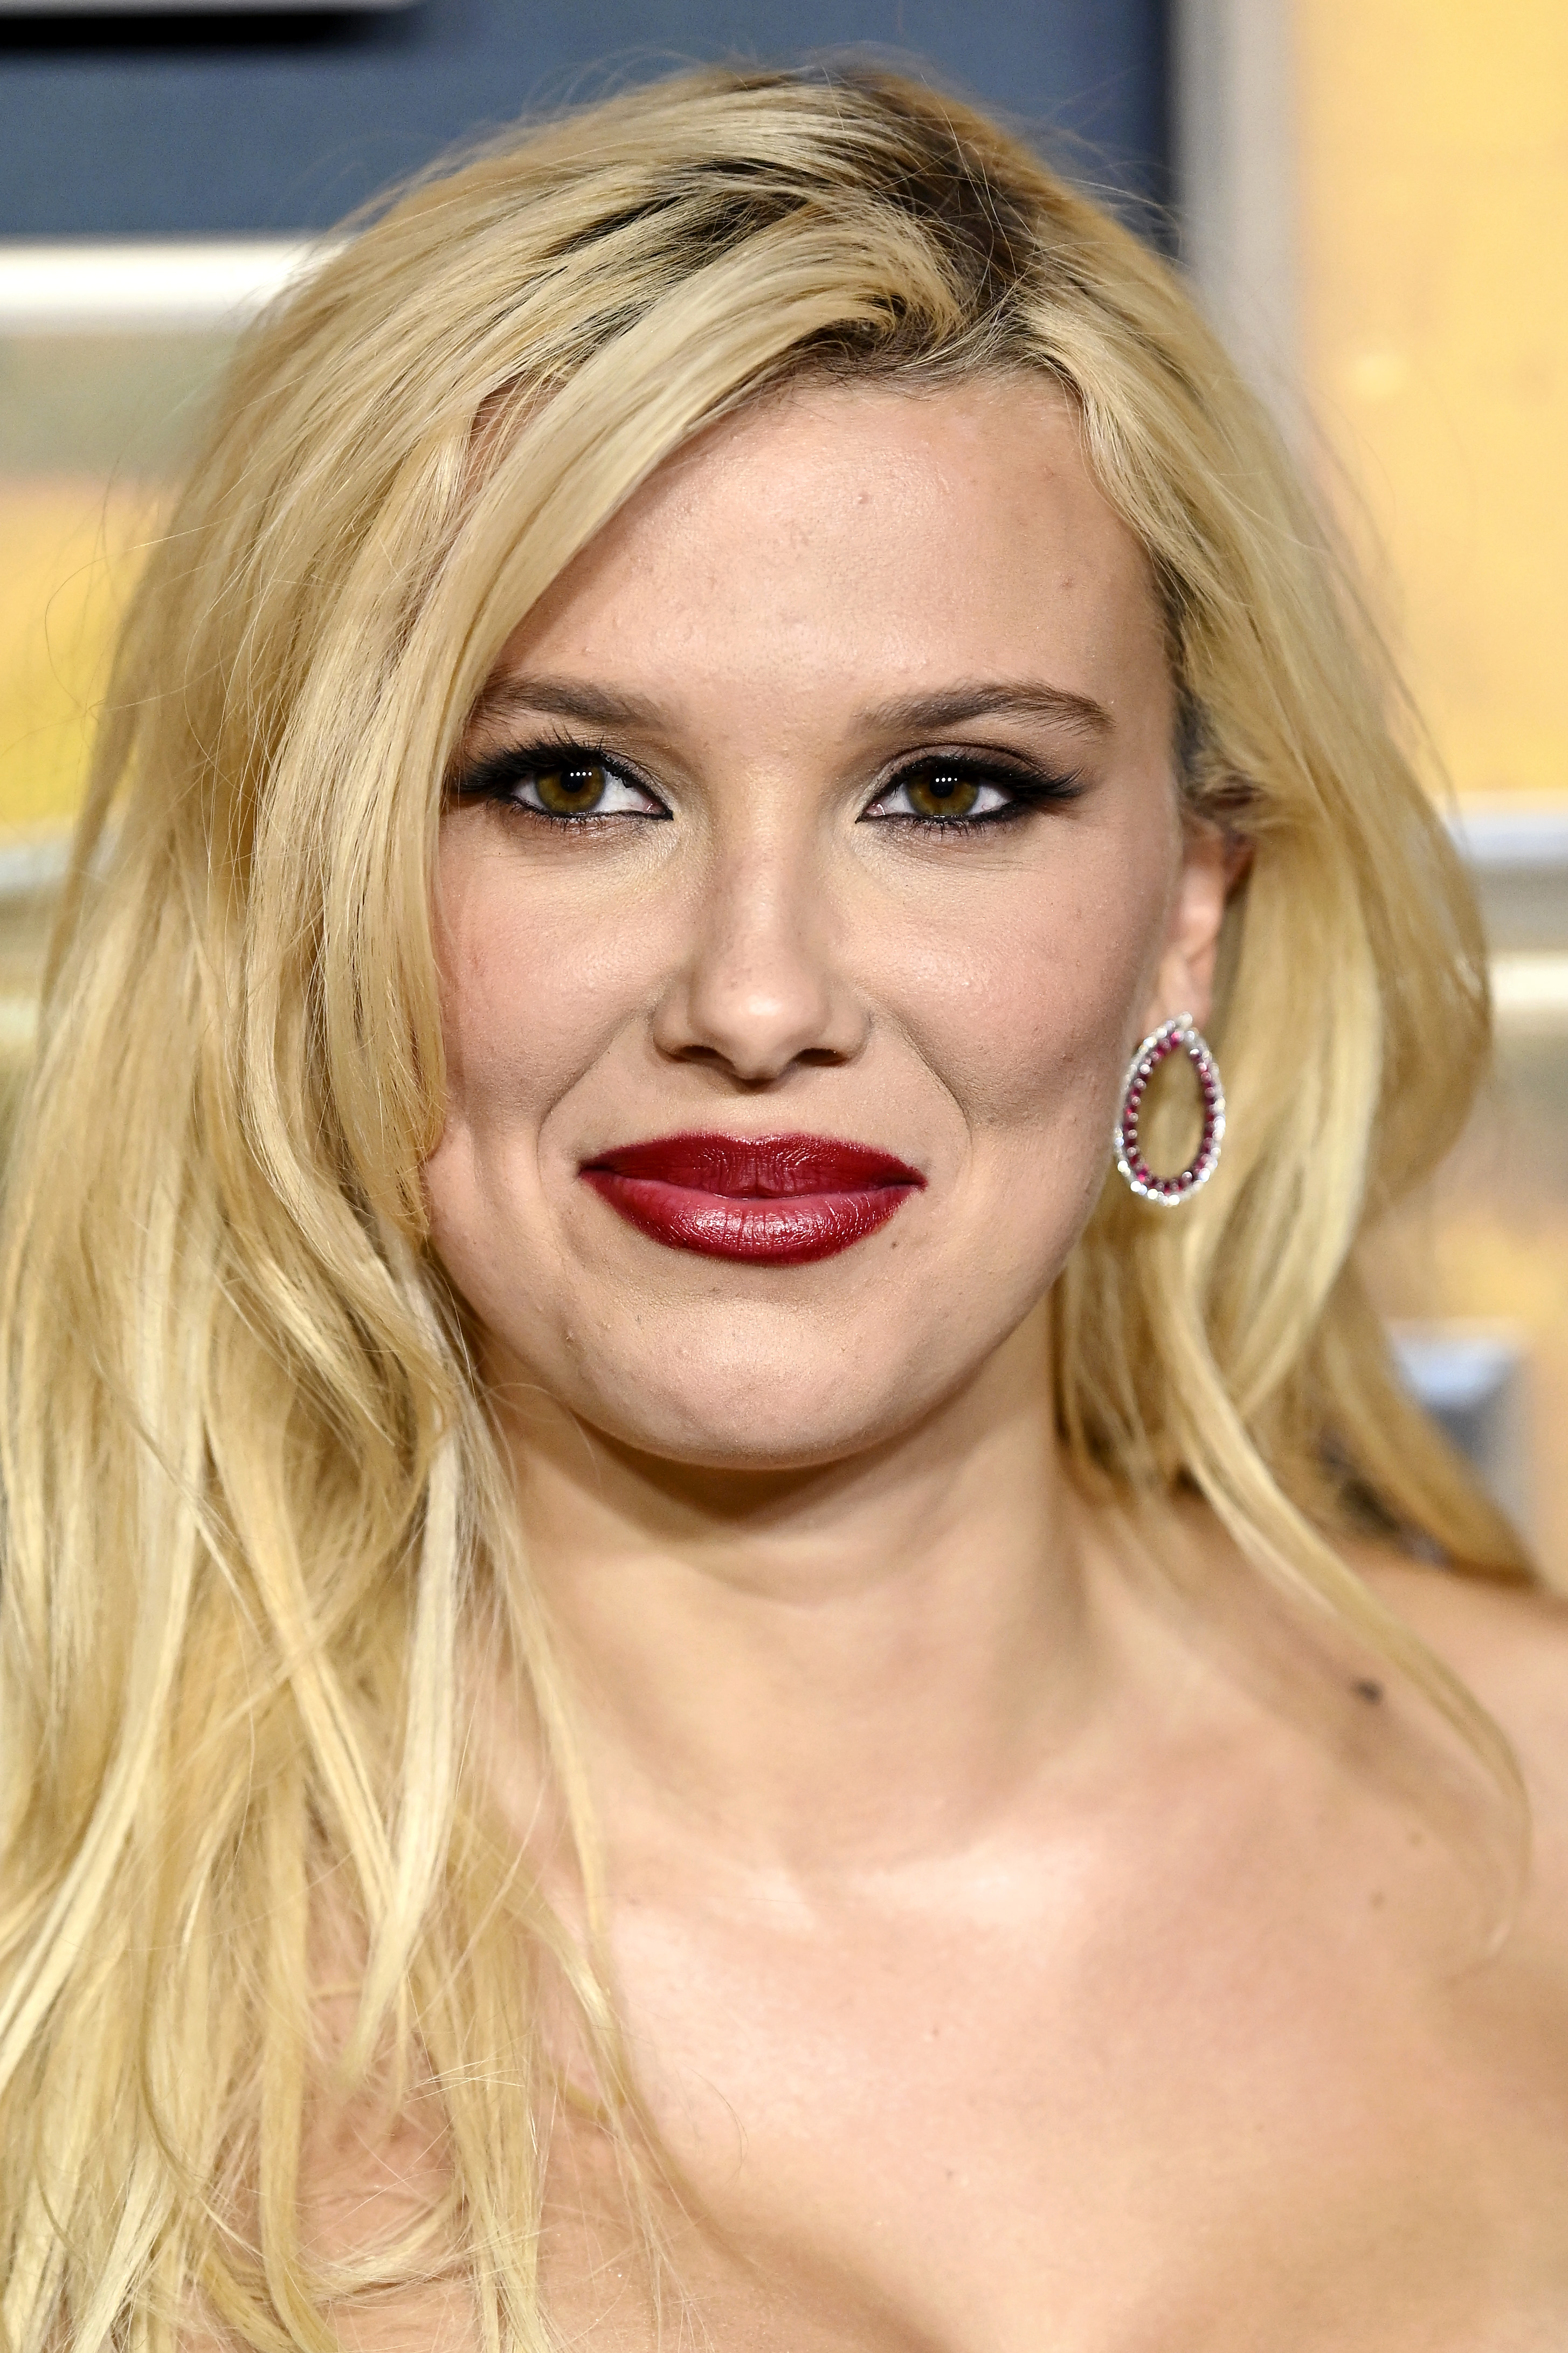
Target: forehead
{"x":840,"y":532}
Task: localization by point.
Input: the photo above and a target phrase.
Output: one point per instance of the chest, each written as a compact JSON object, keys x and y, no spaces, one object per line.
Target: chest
{"x":1256,"y":2117}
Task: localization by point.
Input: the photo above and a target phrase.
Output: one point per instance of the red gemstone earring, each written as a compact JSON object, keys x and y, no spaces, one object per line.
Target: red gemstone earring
{"x":1174,"y":1036}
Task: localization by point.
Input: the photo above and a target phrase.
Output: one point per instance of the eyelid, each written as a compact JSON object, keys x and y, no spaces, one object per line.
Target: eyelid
{"x":1028,"y":780}
{"x":512,"y":764}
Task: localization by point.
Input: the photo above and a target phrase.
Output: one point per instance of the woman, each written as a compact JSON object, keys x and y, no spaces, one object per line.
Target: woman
{"x":676,"y":1669}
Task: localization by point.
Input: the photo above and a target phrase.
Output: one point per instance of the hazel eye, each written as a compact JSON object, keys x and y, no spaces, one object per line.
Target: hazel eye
{"x":941,"y":791}
{"x":559,"y":782}
{"x":581,"y":789}
{"x":570,"y":792}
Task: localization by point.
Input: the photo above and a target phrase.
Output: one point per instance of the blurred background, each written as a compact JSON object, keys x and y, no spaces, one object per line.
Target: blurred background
{"x":1370,"y":196}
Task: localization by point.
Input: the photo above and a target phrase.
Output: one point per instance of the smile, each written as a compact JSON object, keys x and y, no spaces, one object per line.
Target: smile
{"x":771,"y":1200}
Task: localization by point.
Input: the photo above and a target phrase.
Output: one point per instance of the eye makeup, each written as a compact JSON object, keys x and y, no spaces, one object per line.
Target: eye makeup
{"x":560,"y":780}
{"x":573,"y":782}
{"x":952,"y":790}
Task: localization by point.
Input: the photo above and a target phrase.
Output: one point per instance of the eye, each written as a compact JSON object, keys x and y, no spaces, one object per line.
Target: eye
{"x":940,"y":791}
{"x":956,"y":792}
{"x":583,"y":789}
{"x":561,"y":781}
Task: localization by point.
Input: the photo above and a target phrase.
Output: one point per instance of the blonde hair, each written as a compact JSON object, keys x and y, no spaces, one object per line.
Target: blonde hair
{"x":252,"y":1499}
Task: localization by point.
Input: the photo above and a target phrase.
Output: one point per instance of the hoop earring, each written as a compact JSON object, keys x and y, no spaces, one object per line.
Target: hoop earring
{"x":1179,"y":1036}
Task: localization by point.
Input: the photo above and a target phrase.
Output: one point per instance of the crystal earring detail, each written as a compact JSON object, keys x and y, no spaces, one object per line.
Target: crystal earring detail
{"x":1174,"y":1036}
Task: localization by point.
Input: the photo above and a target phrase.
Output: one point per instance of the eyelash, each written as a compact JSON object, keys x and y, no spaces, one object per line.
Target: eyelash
{"x":1027,"y":789}
{"x":498,"y":779}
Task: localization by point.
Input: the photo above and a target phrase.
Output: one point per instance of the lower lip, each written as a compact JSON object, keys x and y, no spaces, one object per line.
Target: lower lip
{"x":757,"y":1229}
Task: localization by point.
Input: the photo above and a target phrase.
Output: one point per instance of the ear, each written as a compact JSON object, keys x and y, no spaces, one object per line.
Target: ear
{"x":1213,"y":863}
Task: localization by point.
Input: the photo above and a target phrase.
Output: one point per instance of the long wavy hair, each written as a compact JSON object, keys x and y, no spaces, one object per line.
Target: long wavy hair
{"x":253,"y":1504}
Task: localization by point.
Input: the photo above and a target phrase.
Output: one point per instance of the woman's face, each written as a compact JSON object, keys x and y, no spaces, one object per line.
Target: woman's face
{"x":828,"y":796}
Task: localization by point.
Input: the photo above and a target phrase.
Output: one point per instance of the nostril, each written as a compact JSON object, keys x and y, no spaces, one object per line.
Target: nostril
{"x":755,"y":1002}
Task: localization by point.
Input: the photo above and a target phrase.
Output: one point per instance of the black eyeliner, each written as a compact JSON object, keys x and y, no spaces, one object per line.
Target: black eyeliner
{"x":1030,"y":787}
{"x":496,"y":776}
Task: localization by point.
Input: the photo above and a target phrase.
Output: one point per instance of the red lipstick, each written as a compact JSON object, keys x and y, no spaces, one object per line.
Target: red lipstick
{"x":771,"y":1200}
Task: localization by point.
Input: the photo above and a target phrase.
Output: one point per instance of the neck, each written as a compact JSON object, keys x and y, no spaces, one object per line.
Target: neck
{"x":836,"y":1666}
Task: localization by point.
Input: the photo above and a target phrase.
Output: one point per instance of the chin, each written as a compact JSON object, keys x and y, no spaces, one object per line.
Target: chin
{"x":698,"y":1440}
{"x":737,"y":1408}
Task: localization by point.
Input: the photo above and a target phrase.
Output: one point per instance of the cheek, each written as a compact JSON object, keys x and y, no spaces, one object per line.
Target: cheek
{"x":533,"y":988}
{"x":1027,"y":1016}
{"x":525,"y":1007}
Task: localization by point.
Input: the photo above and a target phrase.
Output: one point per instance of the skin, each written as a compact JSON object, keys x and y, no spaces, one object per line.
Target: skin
{"x":1027,"y":1936}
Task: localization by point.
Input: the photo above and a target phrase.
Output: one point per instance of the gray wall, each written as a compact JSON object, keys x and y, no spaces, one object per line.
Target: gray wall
{"x":168,"y":126}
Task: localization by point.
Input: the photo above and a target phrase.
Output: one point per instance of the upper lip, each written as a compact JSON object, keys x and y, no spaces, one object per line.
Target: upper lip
{"x":757,"y":1168}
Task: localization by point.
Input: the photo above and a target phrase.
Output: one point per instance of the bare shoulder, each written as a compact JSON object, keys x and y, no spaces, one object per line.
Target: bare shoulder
{"x":1508,"y":1642}
{"x":1508,"y":1645}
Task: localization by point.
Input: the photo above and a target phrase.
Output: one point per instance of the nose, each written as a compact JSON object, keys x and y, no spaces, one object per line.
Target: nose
{"x":759,"y":988}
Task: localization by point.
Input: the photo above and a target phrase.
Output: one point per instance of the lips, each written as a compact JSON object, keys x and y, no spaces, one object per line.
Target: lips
{"x":771,"y":1200}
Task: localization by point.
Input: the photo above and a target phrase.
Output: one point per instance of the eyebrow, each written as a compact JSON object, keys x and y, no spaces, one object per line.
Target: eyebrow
{"x":929,"y":714}
{"x":597,"y":706}
{"x":565,"y":698}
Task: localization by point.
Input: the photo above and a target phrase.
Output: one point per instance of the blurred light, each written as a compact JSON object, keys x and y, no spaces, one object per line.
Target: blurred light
{"x":1513,"y":836}
{"x":38,"y":864}
{"x":1469,"y":1376}
{"x":77,"y":286}
{"x":1531,"y":991}
{"x":1377,"y":376}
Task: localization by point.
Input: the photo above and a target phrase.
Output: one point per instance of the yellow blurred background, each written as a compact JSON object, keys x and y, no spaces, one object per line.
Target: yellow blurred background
{"x":72,"y":551}
{"x":93,"y":427}
{"x":1433,"y":227}
{"x":1433,"y":192}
